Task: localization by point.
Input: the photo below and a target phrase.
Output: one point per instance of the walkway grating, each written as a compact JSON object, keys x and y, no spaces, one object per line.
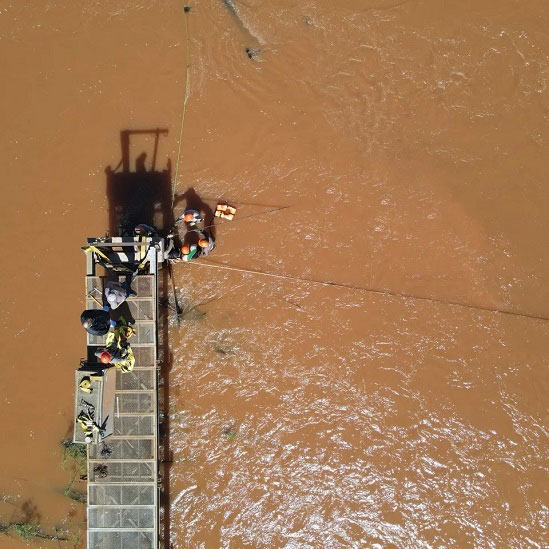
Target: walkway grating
{"x":123,"y":494}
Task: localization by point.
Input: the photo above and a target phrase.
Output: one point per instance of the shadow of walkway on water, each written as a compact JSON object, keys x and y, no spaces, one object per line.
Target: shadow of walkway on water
{"x":140,"y":196}
{"x":136,"y":197}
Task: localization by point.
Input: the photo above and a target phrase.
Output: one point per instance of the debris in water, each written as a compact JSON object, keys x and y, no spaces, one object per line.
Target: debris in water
{"x":253,"y":53}
{"x":232,"y":9}
{"x":229,"y":430}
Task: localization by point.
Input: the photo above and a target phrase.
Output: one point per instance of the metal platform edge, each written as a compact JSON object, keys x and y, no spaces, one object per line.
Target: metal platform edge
{"x":125,"y":514}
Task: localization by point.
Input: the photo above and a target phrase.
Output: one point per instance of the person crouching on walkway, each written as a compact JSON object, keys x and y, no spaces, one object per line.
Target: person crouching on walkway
{"x":117,"y":350}
{"x":116,"y":293}
{"x":98,"y":322}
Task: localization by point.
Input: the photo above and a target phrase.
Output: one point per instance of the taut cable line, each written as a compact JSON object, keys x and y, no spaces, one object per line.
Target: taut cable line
{"x":400,"y":295}
{"x":185,"y":99}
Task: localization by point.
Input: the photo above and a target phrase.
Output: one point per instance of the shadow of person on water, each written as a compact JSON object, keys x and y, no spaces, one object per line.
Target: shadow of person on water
{"x":143,"y":195}
{"x":140,"y":166}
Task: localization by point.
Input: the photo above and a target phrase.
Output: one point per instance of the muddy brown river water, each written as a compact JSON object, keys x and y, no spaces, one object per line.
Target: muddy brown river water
{"x":408,"y":141}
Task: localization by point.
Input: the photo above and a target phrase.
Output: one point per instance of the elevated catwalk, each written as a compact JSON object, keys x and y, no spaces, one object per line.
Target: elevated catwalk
{"x":123,"y":477}
{"x":123,"y":468}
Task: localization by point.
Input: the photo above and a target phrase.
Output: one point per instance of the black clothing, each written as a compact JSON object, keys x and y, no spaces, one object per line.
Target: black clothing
{"x":100,"y":321}
{"x":206,"y":235}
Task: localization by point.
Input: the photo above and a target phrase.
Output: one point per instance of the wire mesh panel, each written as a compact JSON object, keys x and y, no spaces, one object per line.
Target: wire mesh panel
{"x":112,"y":517}
{"x":120,"y":471}
{"x":135,"y":403}
{"x":121,"y":494}
{"x":120,"y":540}
{"x":141,"y":309}
{"x":96,"y":340}
{"x":144,"y":286}
{"x":136,"y":380}
{"x":131,"y":448}
{"x":145,"y":334}
{"x":134,"y":425}
{"x":92,"y":303}
{"x":94,"y":286}
{"x":144,"y":357}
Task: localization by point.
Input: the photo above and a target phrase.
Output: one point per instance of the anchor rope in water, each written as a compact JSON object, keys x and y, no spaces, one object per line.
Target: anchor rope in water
{"x":390,"y":293}
{"x":185,"y":99}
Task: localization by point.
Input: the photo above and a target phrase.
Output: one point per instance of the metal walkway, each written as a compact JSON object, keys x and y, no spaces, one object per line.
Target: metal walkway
{"x":123,"y":493}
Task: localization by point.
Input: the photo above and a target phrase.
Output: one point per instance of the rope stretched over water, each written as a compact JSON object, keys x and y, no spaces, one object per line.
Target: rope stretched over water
{"x":390,"y":293}
{"x":185,"y":98}
{"x":247,"y":216}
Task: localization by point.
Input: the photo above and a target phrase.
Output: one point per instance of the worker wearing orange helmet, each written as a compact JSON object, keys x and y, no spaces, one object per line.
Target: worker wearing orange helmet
{"x":189,"y":251}
{"x":117,"y":350}
{"x":204,"y":245}
{"x":206,"y":242}
{"x":191,"y":217}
